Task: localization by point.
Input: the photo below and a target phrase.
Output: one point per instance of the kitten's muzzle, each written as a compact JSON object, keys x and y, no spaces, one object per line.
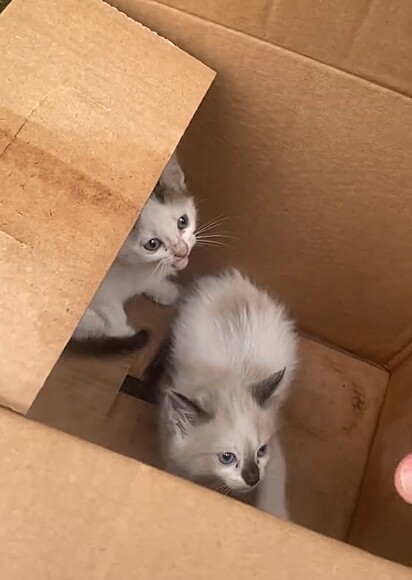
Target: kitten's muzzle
{"x":181,"y":250}
{"x":250,"y":474}
{"x":181,"y":255}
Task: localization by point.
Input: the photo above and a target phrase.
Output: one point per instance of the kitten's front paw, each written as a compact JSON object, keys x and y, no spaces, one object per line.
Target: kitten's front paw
{"x":120,"y":331}
{"x":166,"y":295}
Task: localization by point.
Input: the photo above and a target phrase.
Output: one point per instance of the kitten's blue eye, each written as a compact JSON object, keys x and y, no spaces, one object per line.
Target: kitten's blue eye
{"x":262,"y":451}
{"x":152,"y":245}
{"x":182,"y":222}
{"x":227,"y":458}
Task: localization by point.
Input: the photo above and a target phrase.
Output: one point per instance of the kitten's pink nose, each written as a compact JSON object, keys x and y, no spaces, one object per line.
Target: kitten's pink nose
{"x":181,"y":249}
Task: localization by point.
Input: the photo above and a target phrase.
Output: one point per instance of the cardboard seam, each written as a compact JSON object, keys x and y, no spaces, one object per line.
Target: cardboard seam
{"x":2,"y":154}
{"x":366,"y":464}
{"x":12,"y":141}
{"x":368,"y":81}
{"x":323,"y":342}
{"x":400,"y":357}
{"x":17,"y":240}
{"x":358,"y":26}
{"x":28,"y":117}
{"x":269,"y":10}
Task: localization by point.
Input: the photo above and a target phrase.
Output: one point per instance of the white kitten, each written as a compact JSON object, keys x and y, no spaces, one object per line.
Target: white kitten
{"x":155,"y":250}
{"x":233,"y":354}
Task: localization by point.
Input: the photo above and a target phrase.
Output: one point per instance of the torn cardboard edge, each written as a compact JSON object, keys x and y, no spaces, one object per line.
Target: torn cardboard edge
{"x":142,"y":25}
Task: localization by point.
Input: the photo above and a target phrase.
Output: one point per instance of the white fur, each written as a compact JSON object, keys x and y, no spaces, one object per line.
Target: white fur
{"x":271,"y":494}
{"x":139,"y":271}
{"x":228,"y":336}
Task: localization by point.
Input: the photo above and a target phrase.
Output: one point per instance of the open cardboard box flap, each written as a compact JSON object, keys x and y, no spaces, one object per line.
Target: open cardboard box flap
{"x":87,"y":123}
{"x":132,"y":521}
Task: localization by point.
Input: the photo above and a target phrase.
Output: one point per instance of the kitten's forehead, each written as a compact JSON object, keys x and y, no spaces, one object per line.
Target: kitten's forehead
{"x":167,"y":195}
{"x":156,"y":216}
{"x":244,"y":426}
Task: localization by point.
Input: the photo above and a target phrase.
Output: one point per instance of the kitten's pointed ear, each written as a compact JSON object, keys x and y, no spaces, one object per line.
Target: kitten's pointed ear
{"x":263,"y":391}
{"x":173,"y":176}
{"x":183,"y":411}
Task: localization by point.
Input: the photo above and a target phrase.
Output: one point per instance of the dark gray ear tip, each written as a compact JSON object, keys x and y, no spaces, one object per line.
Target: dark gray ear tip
{"x":177,"y":398}
{"x":184,"y":403}
{"x":176,"y":395}
{"x":276,"y":378}
{"x":184,"y":409}
{"x":264,"y":390}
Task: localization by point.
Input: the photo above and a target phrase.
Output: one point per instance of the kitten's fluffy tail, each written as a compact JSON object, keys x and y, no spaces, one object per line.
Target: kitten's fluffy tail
{"x":110,"y":345}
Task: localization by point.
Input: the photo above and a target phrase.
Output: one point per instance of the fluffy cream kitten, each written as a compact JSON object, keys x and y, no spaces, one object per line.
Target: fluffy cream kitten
{"x":155,"y":250}
{"x":232,"y":356}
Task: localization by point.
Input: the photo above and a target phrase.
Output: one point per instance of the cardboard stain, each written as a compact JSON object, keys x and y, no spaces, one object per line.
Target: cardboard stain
{"x":313,"y":167}
{"x":82,"y":147}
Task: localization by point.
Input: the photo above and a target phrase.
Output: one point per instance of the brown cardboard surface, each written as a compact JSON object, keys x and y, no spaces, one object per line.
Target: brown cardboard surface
{"x":369,"y":38}
{"x":81,"y":396}
{"x":113,"y":516}
{"x":326,"y":450}
{"x":80,"y":392}
{"x":127,"y":427}
{"x":84,"y":136}
{"x":329,"y":423}
{"x":383,"y":521}
{"x":312,"y":166}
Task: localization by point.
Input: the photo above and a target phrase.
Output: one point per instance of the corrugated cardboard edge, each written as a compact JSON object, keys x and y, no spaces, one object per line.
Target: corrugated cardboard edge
{"x":146,"y":28}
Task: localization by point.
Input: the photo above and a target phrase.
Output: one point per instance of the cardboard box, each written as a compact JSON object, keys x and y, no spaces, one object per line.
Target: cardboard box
{"x":312,"y":165}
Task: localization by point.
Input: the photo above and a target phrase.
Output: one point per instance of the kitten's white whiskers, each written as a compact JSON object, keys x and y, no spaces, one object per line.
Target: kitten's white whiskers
{"x":211,"y":243}
{"x":211,"y":225}
{"x":216,"y":237}
{"x":136,"y":270}
{"x":158,"y":265}
{"x":223,"y":488}
{"x":233,"y":357}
